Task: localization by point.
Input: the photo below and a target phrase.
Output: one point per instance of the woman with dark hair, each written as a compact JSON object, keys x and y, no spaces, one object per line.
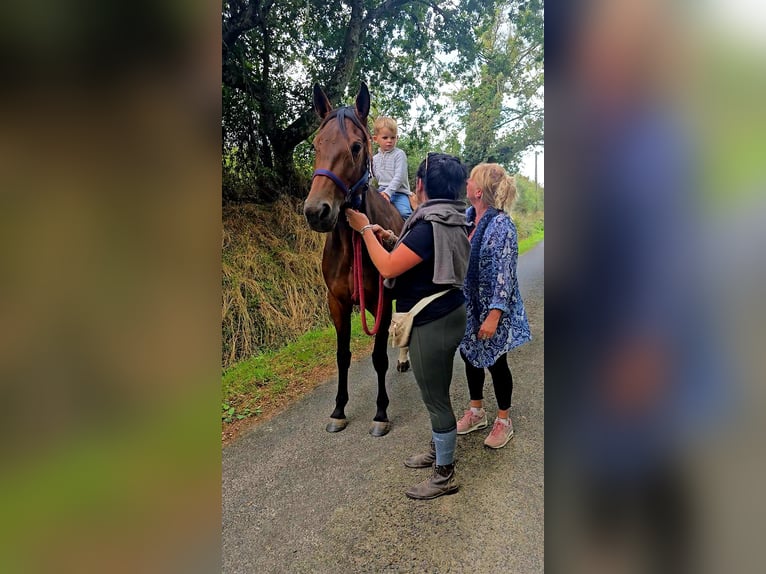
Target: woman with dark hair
{"x":429,"y":257}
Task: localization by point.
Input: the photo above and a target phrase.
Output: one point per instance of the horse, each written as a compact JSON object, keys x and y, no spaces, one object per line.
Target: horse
{"x":342,"y":170}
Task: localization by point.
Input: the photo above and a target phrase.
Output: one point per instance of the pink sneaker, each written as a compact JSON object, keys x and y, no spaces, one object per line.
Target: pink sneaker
{"x":471,"y":422}
{"x":500,"y":434}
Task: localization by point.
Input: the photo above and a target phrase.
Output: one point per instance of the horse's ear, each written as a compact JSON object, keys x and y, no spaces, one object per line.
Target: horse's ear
{"x":322,"y":105}
{"x":363,"y":102}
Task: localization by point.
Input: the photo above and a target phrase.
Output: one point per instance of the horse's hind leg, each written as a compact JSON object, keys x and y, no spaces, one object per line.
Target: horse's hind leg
{"x":380,"y":424}
{"x":403,"y":362}
{"x":341,"y":316}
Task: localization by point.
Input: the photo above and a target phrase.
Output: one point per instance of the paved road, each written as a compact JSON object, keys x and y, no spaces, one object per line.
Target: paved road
{"x":297,"y":499}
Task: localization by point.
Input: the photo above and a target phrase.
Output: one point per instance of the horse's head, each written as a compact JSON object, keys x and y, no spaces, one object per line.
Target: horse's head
{"x":343,"y":150}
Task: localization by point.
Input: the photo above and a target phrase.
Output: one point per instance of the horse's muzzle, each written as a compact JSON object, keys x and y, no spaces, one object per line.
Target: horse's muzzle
{"x":321,"y":216}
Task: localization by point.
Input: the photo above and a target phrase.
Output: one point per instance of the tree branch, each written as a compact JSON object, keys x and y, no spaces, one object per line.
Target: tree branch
{"x":240,"y":23}
{"x":300,"y":129}
{"x":520,"y":115}
{"x":385,"y":8}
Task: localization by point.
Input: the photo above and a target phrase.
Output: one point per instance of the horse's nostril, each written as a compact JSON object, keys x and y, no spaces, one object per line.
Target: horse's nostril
{"x":325,"y":213}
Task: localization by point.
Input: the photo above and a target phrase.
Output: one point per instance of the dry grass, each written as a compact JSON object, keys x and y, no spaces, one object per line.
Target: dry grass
{"x":272,"y":287}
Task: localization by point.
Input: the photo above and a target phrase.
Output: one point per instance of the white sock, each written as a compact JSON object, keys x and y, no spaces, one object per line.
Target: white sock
{"x":477,"y":410}
{"x":506,"y":422}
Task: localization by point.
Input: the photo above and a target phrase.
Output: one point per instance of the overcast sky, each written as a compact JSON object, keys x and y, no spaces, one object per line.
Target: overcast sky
{"x":527,"y":166}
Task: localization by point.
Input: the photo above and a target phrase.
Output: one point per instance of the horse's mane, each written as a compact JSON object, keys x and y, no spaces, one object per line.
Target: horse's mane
{"x":344,"y":113}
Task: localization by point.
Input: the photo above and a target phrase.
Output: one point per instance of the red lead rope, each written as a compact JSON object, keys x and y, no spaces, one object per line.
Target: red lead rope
{"x":359,"y":287}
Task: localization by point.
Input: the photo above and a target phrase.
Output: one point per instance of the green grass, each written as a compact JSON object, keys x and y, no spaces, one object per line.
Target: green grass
{"x":529,"y":242}
{"x":266,"y":376}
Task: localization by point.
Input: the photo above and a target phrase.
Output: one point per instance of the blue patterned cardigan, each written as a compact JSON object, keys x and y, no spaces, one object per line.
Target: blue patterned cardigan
{"x":492,"y":283}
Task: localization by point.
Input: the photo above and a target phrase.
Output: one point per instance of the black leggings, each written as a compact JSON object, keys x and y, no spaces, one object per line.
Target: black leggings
{"x":502,"y":380}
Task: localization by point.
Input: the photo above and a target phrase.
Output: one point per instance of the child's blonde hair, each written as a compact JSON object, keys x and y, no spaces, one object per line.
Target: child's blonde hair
{"x":386,"y":123}
{"x":498,"y":189}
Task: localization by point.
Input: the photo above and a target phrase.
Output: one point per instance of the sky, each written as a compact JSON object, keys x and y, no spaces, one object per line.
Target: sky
{"x":527,"y":166}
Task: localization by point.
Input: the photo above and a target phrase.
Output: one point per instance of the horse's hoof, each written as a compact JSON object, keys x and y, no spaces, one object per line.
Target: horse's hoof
{"x":336,"y":425}
{"x":402,"y":367}
{"x":380,"y":428}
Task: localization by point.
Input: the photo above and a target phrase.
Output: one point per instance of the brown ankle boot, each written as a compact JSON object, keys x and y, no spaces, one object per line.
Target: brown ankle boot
{"x":442,"y":481}
{"x":422,"y":460}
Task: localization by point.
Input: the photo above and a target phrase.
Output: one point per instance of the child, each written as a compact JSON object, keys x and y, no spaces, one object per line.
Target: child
{"x":390,"y":166}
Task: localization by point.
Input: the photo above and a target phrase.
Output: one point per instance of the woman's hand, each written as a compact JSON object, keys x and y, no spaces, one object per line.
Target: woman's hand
{"x":489,"y":326}
{"x":356,"y":219}
{"x":383,"y":235}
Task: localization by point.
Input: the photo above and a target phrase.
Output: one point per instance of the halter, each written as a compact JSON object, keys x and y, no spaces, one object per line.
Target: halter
{"x":352,"y":194}
{"x":351,"y":197}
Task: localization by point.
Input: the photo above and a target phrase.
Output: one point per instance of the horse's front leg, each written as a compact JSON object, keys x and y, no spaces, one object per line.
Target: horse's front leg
{"x":380,"y":424}
{"x":341,"y":317}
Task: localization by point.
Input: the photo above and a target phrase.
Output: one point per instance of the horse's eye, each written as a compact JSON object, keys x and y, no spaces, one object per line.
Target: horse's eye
{"x":356,"y":148}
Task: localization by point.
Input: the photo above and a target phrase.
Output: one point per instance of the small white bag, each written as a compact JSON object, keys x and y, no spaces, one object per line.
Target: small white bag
{"x":401,"y":323}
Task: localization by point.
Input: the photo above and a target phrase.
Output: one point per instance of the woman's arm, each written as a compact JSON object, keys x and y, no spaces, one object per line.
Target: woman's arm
{"x":388,"y":264}
{"x":500,"y":242}
{"x":503,"y":248}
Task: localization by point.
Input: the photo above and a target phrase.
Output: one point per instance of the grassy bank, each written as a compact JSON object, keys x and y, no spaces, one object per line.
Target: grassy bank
{"x":272,"y":287}
{"x":277,"y":338}
{"x":530,"y":241}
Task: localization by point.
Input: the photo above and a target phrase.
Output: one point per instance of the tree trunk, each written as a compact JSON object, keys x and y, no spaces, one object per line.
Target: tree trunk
{"x":289,"y":180}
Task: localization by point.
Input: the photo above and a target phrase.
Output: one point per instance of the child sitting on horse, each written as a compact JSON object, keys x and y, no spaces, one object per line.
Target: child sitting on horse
{"x":390,"y":166}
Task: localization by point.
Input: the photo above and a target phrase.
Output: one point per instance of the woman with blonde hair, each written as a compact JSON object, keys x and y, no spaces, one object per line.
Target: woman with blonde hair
{"x":496,"y":319}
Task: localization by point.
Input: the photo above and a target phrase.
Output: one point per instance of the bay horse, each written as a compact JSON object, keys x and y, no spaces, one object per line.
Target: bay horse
{"x":342,"y":170}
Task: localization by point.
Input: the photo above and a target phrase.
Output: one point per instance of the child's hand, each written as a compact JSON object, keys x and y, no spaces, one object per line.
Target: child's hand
{"x":388,"y":199}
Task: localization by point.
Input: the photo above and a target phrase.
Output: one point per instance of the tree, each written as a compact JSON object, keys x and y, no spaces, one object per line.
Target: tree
{"x":502,"y":109}
{"x":274,"y":52}
{"x":529,"y":196}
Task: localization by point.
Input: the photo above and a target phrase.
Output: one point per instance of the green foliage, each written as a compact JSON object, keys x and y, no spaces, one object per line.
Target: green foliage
{"x":501,"y":104}
{"x":416,"y":144}
{"x":273,"y":53}
{"x":527,"y":200}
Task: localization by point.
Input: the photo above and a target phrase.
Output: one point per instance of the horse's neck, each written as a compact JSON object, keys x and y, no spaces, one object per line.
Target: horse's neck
{"x":340,"y":238}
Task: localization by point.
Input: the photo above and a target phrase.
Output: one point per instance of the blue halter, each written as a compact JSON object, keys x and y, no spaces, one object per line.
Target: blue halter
{"x":352,"y":198}
{"x":354,"y":194}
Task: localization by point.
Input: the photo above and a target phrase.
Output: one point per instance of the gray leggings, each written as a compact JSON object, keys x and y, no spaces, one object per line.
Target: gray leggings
{"x":432,"y":350}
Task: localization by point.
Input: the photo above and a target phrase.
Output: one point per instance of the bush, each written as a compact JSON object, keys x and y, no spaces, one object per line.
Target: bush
{"x":526,"y":199}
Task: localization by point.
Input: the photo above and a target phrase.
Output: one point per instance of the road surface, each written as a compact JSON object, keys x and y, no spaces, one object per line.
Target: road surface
{"x":297,"y":499}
